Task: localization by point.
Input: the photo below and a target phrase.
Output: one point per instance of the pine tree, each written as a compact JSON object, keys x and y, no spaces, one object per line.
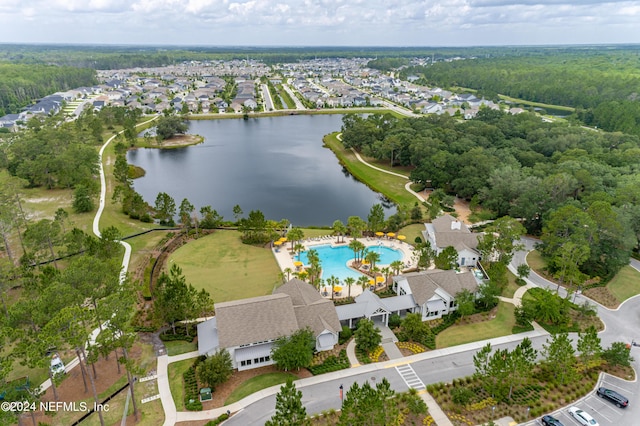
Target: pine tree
{"x":289,"y":408}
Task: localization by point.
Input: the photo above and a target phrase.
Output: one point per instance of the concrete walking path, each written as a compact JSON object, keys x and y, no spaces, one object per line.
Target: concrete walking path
{"x":436,"y":413}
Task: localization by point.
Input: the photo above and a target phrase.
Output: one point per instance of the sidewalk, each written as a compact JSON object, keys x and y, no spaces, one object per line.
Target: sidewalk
{"x":172,"y":416}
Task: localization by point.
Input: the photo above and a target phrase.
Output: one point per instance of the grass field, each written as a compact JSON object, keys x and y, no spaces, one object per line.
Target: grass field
{"x":501,"y":325}
{"x":389,"y":185}
{"x":226,"y":268}
{"x":177,"y":347}
{"x":625,"y":284}
{"x":511,"y":287}
{"x":412,"y":231}
{"x":175,"y":371}
{"x":256,"y":384}
{"x":535,"y":261}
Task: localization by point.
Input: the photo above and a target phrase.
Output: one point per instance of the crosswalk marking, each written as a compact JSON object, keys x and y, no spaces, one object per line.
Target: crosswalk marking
{"x":410,"y":377}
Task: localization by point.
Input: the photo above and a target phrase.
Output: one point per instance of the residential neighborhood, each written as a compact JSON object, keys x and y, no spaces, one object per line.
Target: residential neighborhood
{"x":197,"y":87}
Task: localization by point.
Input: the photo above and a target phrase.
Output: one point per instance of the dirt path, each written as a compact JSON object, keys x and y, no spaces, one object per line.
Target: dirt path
{"x":460,"y":205}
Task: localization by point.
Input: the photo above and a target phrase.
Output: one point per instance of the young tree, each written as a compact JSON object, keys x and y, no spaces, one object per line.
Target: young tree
{"x":520,"y":363}
{"x":210,"y":218}
{"x":356,"y":225}
{"x":466,"y":303}
{"x":83,"y":199}
{"x":364,"y":405}
{"x":165,"y":209}
{"x":560,"y":357}
{"x":216,"y":369}
{"x":174,"y":300}
{"x":186,"y":209}
{"x":618,"y":354}
{"x":375,"y":219}
{"x":367,"y":336}
{"x":414,"y":328}
{"x":589,"y":346}
{"x":447,"y":258}
{"x":372,"y":257}
{"x":294,"y":352}
{"x":289,"y":408}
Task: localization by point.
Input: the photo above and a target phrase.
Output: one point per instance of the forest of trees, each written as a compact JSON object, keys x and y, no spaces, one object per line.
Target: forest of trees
{"x":603,"y":85}
{"x":519,"y":166}
{"x":20,"y":84}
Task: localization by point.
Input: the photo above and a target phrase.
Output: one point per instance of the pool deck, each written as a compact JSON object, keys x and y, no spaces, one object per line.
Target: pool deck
{"x":285,"y":257}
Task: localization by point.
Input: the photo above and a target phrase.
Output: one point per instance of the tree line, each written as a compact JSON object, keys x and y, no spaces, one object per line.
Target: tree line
{"x":602,"y":85}
{"x":519,"y":166}
{"x":20,"y":84}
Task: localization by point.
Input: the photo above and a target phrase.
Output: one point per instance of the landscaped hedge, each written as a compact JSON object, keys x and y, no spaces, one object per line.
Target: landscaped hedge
{"x":332,"y":363}
{"x":180,"y":334}
{"x":191,"y":394}
{"x":215,"y":422}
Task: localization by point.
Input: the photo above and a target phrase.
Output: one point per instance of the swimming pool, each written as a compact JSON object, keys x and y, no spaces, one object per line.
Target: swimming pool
{"x":333,"y":260}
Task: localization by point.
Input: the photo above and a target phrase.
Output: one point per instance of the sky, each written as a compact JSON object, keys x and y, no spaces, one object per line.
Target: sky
{"x":320,"y":22}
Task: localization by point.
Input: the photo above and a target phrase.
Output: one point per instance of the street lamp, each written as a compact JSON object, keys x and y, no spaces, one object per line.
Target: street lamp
{"x":341,"y":394}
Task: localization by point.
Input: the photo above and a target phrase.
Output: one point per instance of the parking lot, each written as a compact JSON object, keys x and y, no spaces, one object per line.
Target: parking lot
{"x":603,"y":411}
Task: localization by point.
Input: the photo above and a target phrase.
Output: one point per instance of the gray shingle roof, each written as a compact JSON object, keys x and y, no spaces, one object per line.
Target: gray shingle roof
{"x":311,"y":309}
{"x":255,"y":319}
{"x":424,"y":284}
{"x":459,"y":238}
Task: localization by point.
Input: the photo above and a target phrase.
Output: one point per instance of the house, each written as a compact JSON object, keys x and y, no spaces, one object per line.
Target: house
{"x":446,"y":231}
{"x":434,"y":290}
{"x":247,"y":328}
{"x":430,"y":293}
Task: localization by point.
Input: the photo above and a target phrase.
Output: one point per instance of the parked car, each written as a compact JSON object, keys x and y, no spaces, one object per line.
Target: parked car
{"x":581,"y":417}
{"x":613,"y":396}
{"x":551,"y":421}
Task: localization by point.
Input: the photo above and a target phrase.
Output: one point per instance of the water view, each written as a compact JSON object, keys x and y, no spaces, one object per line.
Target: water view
{"x":277,"y":165}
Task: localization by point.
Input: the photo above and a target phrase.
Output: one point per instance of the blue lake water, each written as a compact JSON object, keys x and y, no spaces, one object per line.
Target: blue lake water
{"x":274,"y":164}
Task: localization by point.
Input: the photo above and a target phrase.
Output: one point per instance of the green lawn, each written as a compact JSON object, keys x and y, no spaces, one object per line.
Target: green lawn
{"x":501,"y":325}
{"x":389,"y":185}
{"x":412,"y":231}
{"x":177,"y":347}
{"x":511,"y":287}
{"x":625,"y":284}
{"x":226,"y":268}
{"x":257,"y":383}
{"x":175,"y":371}
{"x":535,"y":261}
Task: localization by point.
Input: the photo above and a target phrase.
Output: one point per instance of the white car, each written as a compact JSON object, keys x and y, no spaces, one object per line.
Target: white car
{"x":581,"y":417}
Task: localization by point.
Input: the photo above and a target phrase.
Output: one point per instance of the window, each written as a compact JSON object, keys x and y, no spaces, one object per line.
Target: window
{"x":243,"y":363}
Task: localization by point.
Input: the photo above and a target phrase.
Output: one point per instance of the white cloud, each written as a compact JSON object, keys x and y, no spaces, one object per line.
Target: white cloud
{"x":316,"y":22}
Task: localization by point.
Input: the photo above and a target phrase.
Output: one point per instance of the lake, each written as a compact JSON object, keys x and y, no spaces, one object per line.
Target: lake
{"x":274,"y":164}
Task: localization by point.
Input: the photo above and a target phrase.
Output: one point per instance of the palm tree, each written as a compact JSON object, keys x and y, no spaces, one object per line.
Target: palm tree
{"x":288,"y":271}
{"x":297,"y":249}
{"x":349,"y":281}
{"x":372,"y":257}
{"x":295,"y":235}
{"x":363,"y":280}
{"x":340,"y":229}
{"x":396,"y":266}
{"x":357,"y":247}
{"x":386,"y":271}
{"x":332,"y":281}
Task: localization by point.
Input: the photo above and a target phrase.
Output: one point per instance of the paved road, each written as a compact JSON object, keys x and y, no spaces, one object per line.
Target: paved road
{"x":266,"y":95}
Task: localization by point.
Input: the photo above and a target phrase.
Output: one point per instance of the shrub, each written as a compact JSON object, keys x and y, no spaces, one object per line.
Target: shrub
{"x":461,"y":395}
{"x":221,"y":418}
{"x":332,"y":363}
{"x":344,"y":335}
{"x":394,"y":321}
